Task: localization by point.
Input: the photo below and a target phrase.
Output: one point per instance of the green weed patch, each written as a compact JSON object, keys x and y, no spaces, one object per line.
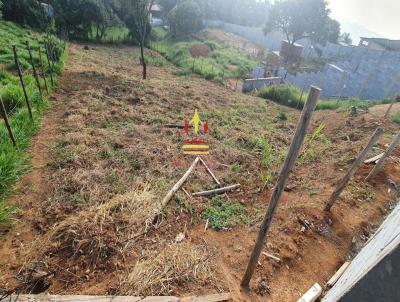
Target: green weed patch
{"x":223,"y":214}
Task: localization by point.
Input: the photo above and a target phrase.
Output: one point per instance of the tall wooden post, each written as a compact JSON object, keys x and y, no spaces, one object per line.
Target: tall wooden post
{"x":43,"y":72}
{"x":49,"y":63}
{"x":378,"y":132}
{"x":387,"y":153}
{"x":5,"y":117}
{"x":22,"y":81}
{"x":35,"y":74}
{"x":294,"y":150}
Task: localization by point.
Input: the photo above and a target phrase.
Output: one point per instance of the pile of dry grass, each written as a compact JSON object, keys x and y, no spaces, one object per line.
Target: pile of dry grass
{"x":94,"y":235}
{"x":175,"y":266}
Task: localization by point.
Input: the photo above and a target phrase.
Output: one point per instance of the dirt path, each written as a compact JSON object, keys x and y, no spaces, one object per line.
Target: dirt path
{"x":104,"y":159}
{"x":33,"y":189}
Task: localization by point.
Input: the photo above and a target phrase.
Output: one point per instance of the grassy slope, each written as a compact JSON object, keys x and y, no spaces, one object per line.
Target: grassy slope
{"x":13,"y":162}
{"x":222,"y":62}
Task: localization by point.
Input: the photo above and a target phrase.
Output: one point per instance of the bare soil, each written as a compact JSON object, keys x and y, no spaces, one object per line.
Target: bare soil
{"x":104,"y":160}
{"x":200,"y":51}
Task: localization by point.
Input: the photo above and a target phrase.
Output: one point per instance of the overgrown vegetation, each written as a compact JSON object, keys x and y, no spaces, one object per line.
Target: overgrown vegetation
{"x":13,"y":162}
{"x":291,"y":96}
{"x":220,"y":63}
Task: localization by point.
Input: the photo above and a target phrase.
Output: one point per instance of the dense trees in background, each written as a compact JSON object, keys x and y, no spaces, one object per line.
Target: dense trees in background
{"x":90,"y":19}
{"x":25,"y":12}
{"x":299,"y":19}
{"x":242,"y":12}
{"x":84,"y":19}
{"x":185,"y":18}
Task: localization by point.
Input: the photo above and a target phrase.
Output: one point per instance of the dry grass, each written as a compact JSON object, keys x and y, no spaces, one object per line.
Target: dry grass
{"x":176,"y":266}
{"x":96,"y":234}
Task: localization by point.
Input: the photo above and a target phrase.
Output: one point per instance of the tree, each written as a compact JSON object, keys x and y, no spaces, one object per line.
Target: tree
{"x":345,"y":38}
{"x":299,"y":19}
{"x":78,"y":18}
{"x":25,"y":12}
{"x":242,"y":12}
{"x":136,"y":15}
{"x":103,"y":17}
{"x":185,"y":18}
{"x":168,"y":5}
{"x":1,"y":9}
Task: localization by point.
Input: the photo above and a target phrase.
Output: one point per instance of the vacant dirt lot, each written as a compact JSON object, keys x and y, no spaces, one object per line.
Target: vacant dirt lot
{"x":104,"y":160}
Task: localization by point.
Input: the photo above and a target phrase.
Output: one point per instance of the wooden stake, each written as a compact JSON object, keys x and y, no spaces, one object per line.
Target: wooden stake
{"x":343,"y":183}
{"x":43,"y":71}
{"x":35,"y":75}
{"x":216,"y":191}
{"x":294,"y":151}
{"x":5,"y":117}
{"x":388,"y":152}
{"x":49,"y":63}
{"x":22,"y":81}
{"x":179,"y":184}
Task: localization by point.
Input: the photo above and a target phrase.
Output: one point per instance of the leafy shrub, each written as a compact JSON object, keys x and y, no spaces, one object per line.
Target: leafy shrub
{"x":282,"y":116}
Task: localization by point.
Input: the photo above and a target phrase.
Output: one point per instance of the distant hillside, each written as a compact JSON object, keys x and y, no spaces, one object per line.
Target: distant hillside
{"x":356,"y":30}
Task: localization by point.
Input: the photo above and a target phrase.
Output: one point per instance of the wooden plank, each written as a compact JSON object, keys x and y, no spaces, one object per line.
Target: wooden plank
{"x":77,"y":298}
{"x":312,"y":294}
{"x":338,"y":274}
{"x":217,"y":191}
{"x":374,"y":159}
{"x":160,"y":299}
{"x":82,"y":298}
{"x":209,"y":298}
{"x":287,"y":167}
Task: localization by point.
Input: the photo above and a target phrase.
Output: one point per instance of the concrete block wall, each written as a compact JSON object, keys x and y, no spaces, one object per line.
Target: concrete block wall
{"x":252,"y":84}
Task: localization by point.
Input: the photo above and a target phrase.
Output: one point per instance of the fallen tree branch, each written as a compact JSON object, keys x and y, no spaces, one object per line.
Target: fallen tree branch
{"x":210,"y":172}
{"x":179,"y":184}
{"x":217,"y":191}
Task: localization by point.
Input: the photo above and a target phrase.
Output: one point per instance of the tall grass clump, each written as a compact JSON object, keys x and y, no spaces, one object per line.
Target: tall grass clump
{"x":14,"y":161}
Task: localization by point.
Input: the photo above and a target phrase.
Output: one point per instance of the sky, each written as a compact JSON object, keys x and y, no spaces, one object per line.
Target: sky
{"x":375,"y":16}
